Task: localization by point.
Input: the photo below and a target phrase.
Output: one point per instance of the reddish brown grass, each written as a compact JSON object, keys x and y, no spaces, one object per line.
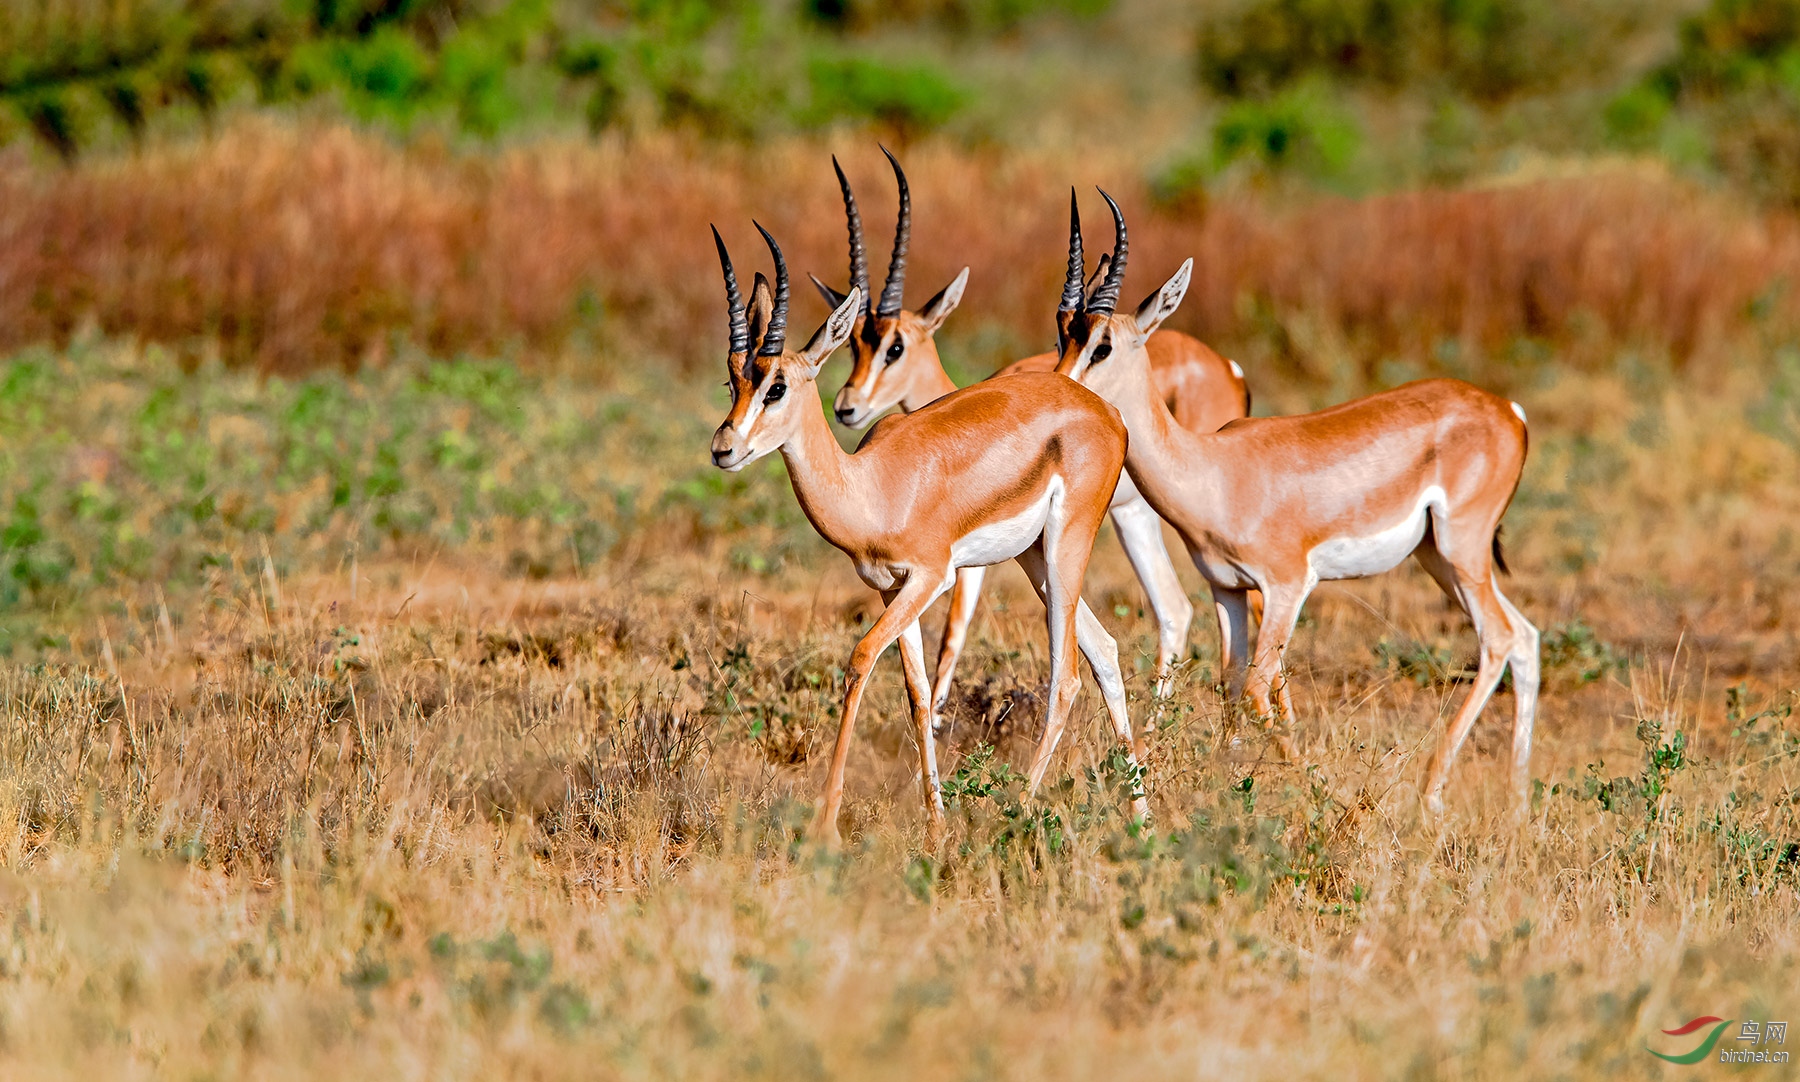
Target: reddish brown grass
{"x":291,"y":248}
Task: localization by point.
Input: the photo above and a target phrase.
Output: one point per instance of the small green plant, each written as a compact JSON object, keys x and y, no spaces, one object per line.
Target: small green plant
{"x":1575,"y":648}
{"x":1426,"y":666}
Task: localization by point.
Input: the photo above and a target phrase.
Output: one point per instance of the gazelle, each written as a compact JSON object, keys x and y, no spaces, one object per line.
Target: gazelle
{"x":1279,"y":504}
{"x":1021,"y":469}
{"x":895,"y":362}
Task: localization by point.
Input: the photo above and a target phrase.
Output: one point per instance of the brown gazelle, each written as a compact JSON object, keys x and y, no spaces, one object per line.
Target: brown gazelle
{"x":895,"y":362}
{"x":1279,"y":504}
{"x":1017,"y":470}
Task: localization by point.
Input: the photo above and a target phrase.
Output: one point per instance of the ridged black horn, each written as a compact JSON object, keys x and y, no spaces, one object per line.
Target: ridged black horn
{"x":1106,"y":298}
{"x":1071,"y":294}
{"x":775,"y":338}
{"x":859,"y":259}
{"x":895,"y":285}
{"x":740,"y":324}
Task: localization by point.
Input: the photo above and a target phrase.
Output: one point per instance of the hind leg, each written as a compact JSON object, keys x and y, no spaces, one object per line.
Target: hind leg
{"x":1506,"y":637}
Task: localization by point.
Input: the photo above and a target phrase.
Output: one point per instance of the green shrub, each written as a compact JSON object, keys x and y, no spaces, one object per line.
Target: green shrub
{"x":1488,"y":49}
{"x":909,"y":98}
{"x":1298,"y":131}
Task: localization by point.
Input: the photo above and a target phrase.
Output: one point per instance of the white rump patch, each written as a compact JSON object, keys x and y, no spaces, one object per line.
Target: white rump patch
{"x":1373,"y":553}
{"x":1520,"y":410}
{"x":1236,"y":369}
{"x":995,"y":542}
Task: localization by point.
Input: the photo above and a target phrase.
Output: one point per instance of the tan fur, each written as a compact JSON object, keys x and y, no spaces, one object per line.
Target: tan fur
{"x":1260,"y":503}
{"x":1201,"y":388}
{"x":925,"y":483}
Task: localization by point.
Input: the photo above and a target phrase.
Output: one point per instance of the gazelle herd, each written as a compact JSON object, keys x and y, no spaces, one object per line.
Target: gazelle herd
{"x":1124,"y":418}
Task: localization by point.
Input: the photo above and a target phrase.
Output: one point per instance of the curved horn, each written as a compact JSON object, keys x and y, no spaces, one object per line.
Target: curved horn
{"x":1071,"y":294}
{"x":734,"y":301}
{"x":775,"y":338}
{"x":859,"y":259}
{"x":1106,"y":298}
{"x":896,"y":276}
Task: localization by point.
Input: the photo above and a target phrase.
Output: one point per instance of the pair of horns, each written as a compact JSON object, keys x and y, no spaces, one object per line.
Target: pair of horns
{"x":895,"y":285}
{"x":775,"y":337}
{"x":1106,"y":294}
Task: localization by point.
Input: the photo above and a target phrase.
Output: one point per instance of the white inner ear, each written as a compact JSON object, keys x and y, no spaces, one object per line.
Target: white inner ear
{"x":946,"y":302}
{"x":835,"y":331}
{"x":1163,"y":303}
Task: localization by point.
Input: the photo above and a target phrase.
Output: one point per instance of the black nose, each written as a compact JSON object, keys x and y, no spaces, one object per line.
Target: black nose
{"x":720,"y":456}
{"x":845,"y":415}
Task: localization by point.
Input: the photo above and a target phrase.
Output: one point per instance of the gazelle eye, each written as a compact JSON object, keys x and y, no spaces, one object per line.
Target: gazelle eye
{"x":775,"y":393}
{"x":1101,"y":353}
{"x":895,"y":350}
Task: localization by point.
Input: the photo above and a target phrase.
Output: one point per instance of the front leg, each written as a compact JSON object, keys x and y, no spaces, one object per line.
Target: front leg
{"x":918,"y":690}
{"x":904,"y":607}
{"x":1141,"y":535}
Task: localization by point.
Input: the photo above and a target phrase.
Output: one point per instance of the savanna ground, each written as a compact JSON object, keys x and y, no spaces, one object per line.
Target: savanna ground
{"x":391,"y":688}
{"x":523,"y":792}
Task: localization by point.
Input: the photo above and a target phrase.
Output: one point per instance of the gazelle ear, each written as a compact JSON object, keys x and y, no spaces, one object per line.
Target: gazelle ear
{"x":938,"y":308}
{"x":834,"y":332}
{"x":832,"y":297}
{"x":762,"y":308}
{"x":1161,"y":305}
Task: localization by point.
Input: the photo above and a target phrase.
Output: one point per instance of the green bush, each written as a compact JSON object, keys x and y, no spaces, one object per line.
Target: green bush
{"x":1488,"y":49}
{"x":909,"y":98}
{"x":1299,"y":131}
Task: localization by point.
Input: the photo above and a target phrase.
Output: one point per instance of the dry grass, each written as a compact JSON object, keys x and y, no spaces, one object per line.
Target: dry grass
{"x":294,"y":248}
{"x":426,"y":819}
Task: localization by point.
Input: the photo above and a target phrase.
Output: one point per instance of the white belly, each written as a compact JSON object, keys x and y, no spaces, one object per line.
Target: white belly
{"x":995,"y":542}
{"x":1373,"y":553}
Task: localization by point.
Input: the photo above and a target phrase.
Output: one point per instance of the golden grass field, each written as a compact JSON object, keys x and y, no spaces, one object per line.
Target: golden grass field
{"x":444,"y":721}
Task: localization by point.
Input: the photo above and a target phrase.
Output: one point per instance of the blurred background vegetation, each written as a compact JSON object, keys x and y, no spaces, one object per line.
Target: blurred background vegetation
{"x":1353,"y":95}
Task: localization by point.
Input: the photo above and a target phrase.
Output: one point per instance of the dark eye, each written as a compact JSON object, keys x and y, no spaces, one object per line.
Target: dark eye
{"x":775,"y":393}
{"x":1101,"y":353}
{"x":895,"y":350}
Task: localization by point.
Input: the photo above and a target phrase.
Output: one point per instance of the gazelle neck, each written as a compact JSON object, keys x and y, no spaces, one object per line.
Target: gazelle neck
{"x":1168,"y":463}
{"x":929,"y":386}
{"x":826,"y":482}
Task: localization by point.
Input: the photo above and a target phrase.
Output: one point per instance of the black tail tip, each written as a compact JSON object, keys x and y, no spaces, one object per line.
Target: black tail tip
{"x":1500,"y":553}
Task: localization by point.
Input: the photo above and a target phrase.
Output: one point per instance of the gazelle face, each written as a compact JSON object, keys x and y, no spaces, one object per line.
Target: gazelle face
{"x":770,"y":394}
{"x":1105,"y":351}
{"x":766,"y":395}
{"x":894,"y":359}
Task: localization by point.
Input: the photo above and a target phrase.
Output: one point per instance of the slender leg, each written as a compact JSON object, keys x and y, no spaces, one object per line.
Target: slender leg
{"x":1141,"y":534}
{"x":904,"y":607}
{"x":1102,"y":653}
{"x":918,"y":688}
{"x":1267,"y":682}
{"x":1233,"y":610}
{"x":1523,"y":660}
{"x":956,"y":631}
{"x":1506,"y":637}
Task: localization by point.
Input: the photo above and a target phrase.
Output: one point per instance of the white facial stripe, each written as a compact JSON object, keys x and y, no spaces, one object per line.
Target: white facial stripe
{"x":878,"y":363}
